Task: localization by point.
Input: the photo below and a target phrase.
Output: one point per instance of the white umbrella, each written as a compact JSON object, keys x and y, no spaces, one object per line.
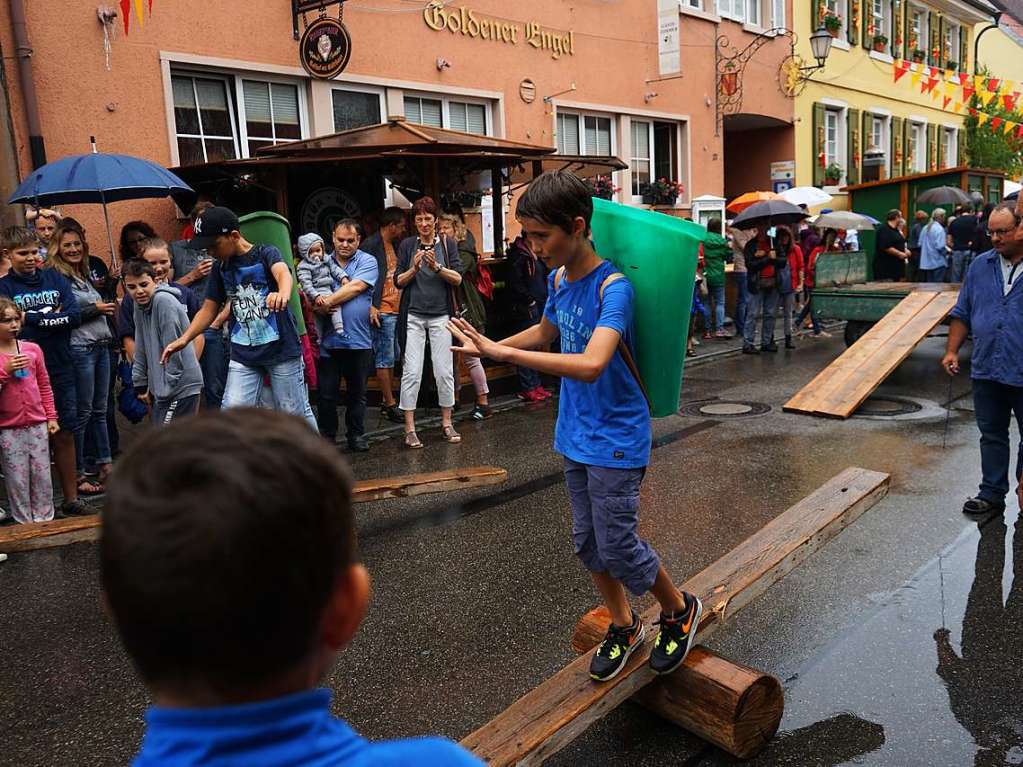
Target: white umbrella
{"x":806,"y":195}
{"x":844,"y":219}
{"x":1010,"y":187}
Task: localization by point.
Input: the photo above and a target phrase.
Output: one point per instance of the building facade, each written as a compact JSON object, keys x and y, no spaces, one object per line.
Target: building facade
{"x":187,"y":83}
{"x":856,"y":121}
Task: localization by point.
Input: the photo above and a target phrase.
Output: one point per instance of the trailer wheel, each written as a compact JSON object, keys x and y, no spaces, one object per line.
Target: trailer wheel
{"x":854,"y":329}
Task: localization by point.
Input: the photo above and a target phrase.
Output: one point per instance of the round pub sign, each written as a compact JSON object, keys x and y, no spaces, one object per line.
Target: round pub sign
{"x":325,"y":48}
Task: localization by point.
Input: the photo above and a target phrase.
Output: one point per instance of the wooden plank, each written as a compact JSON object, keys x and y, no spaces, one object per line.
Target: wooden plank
{"x":857,"y":387}
{"x":549,"y":717}
{"x":61,"y":532}
{"x":808,"y":399}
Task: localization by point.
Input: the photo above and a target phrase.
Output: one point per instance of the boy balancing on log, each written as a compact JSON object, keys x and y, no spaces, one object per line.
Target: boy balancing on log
{"x":234,"y":582}
{"x":603,"y":428}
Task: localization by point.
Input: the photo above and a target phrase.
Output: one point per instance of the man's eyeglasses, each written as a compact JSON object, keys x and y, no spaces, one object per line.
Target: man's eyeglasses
{"x":1001,"y":232}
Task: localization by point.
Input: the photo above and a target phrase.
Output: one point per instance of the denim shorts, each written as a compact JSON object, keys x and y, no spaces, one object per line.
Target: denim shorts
{"x":65,"y":397}
{"x":385,"y":346}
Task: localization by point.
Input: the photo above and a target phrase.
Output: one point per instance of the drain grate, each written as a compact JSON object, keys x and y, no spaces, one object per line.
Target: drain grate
{"x":888,"y":407}
{"x":722,"y":409}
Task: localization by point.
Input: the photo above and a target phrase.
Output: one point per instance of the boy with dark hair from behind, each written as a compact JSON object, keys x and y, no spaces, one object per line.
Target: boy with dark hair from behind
{"x":232,"y":648}
{"x":603,"y":429}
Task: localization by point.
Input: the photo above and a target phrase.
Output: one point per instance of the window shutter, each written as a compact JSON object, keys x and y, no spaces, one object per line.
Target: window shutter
{"x":818,"y":145}
{"x":932,"y":29}
{"x":476,"y":119}
{"x":961,"y":137}
{"x":932,"y":153}
{"x":897,"y":143}
{"x":868,"y":23}
{"x":852,"y":23}
{"x":940,"y":148}
{"x":285,"y":102}
{"x":964,"y":49}
{"x":895,"y":29}
{"x":942,"y":57}
{"x":854,"y":127}
{"x":818,"y":15}
{"x":907,"y":30}
{"x":257,"y":102}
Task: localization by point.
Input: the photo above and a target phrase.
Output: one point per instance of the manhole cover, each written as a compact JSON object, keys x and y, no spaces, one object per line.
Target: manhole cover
{"x":720,"y":409}
{"x":888,"y":407}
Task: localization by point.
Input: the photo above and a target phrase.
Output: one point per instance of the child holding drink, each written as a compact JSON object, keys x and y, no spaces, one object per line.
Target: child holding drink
{"x":27,"y":419}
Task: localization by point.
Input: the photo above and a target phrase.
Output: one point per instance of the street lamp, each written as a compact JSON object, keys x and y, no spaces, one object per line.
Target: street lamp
{"x":820,"y":44}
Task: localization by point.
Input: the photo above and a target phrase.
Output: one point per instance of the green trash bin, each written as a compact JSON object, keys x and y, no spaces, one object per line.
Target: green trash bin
{"x":267,"y":228}
{"x":659,"y":255}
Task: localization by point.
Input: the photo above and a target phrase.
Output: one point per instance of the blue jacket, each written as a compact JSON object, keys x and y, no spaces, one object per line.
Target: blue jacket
{"x":51,"y":312}
{"x":994,"y":319}
{"x":293,"y":731}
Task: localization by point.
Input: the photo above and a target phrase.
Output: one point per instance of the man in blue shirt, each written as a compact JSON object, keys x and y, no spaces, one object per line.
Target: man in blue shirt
{"x":231,"y":649}
{"x":934,"y":248}
{"x":264,"y":337}
{"x":990,"y":307}
{"x":348,"y":354}
{"x":603,"y":428}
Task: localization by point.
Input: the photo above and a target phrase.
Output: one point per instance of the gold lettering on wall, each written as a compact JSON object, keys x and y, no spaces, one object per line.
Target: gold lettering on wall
{"x":464,"y":21}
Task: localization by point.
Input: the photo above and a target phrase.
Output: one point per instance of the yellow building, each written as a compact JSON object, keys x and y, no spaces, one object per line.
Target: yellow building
{"x":1000,"y":50}
{"x":854,"y":122}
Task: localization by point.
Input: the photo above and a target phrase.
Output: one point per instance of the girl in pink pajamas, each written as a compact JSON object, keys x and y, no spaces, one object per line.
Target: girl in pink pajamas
{"x":27,"y":419}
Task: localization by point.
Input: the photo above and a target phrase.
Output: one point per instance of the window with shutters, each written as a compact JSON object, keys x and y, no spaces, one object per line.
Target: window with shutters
{"x":953,"y":33}
{"x":356,"y":108}
{"x":204,"y":121}
{"x":839,"y":8}
{"x":950,"y":138}
{"x":271,"y":113}
{"x":918,"y":32}
{"x":918,"y":147}
{"x":584,"y":134}
{"x":879,"y":139}
{"x":832,"y":137}
{"x":880,"y":20}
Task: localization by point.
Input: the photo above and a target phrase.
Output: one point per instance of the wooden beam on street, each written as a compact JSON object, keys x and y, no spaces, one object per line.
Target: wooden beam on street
{"x":549,"y":717}
{"x":61,"y":532}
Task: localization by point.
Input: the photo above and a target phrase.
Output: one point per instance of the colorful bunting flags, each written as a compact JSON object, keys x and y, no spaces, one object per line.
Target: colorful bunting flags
{"x":126,"y":6}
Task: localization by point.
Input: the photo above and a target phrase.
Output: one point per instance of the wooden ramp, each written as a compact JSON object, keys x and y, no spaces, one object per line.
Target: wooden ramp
{"x":561,"y":708}
{"x":842,"y":386}
{"x":61,"y":532}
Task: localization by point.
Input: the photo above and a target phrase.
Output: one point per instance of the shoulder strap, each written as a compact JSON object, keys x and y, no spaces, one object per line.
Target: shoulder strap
{"x":623,"y":348}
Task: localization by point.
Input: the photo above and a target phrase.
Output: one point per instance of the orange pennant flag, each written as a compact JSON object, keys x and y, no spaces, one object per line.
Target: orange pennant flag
{"x":986,"y":97}
{"x":982,"y":117}
{"x":946,"y":102}
{"x":957,"y":107}
{"x":1010,"y":126}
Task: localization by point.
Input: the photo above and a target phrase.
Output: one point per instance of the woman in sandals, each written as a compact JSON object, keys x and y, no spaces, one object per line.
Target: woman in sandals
{"x":428,"y":268}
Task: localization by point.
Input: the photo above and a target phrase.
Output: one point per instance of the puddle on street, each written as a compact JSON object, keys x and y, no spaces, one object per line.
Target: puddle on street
{"x":933,"y":676}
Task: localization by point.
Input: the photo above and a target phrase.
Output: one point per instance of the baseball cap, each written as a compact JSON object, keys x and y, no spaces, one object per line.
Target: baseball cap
{"x":212,"y":223}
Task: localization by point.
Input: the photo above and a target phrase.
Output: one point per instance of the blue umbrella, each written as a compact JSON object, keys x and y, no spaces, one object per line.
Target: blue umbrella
{"x":97,"y":178}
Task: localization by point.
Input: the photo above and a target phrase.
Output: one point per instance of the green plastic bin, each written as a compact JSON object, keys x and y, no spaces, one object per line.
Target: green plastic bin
{"x":267,"y":228}
{"x":659,"y":254}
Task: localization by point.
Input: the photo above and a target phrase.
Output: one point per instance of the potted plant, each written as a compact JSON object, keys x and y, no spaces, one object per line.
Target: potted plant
{"x":918,"y":55}
{"x":880,"y":43}
{"x":663,"y":191}
{"x":832,"y":174}
{"x":603,"y":187}
{"x":833,"y":23}
{"x":953,"y":65}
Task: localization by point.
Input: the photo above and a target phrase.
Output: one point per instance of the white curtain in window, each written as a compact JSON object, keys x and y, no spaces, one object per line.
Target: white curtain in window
{"x":568,"y":134}
{"x":285,"y":103}
{"x":184,"y":97}
{"x":211,"y":94}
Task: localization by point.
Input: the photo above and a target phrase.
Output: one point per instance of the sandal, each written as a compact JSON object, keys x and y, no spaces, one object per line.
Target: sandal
{"x":412,"y":441}
{"x":452,"y":436}
{"x":87,"y":486}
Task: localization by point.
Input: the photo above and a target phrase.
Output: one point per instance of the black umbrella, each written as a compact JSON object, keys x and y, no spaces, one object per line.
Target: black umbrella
{"x":769,"y":213}
{"x":1012,"y":196}
{"x":943,"y":195}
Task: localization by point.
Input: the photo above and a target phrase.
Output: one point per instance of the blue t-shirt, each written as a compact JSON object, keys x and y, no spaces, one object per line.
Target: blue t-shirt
{"x":605,"y":423}
{"x":51,"y":313}
{"x":355,"y":313}
{"x":296,"y":730}
{"x":259,"y":337}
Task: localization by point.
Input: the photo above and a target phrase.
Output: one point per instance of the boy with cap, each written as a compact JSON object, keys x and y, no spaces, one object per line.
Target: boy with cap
{"x":232,"y":650}
{"x":264,"y":338}
{"x":603,"y":427}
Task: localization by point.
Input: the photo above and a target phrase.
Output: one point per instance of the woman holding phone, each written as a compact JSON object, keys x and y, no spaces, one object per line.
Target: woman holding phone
{"x":428,"y":269}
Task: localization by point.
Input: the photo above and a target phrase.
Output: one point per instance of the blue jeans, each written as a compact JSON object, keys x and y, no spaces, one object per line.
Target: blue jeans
{"x":605,"y":524}
{"x":216,"y":355}
{"x":287,"y":387}
{"x":92,"y":384}
{"x":960,"y":263}
{"x":717,"y":295}
{"x":994,"y":404}
{"x":385,"y":345}
{"x":934,"y":275}
{"x":764,"y":301}
{"x":741,"y":300}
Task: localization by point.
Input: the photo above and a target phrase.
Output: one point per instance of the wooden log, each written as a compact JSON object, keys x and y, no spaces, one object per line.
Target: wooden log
{"x":733,"y":706}
{"x":61,"y":532}
{"x":548,"y":718}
